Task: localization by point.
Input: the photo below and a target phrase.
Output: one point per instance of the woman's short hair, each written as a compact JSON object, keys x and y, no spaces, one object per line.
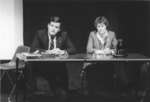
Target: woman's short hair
{"x":101,"y":19}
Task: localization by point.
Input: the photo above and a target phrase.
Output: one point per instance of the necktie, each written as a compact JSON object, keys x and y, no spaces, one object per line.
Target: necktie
{"x":52,"y":44}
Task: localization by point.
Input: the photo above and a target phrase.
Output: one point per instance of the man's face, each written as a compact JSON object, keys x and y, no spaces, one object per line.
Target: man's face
{"x":101,"y":27}
{"x":53,"y":28}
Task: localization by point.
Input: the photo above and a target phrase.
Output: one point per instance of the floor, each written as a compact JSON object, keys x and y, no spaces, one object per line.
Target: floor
{"x":109,"y":96}
{"x":103,"y":97}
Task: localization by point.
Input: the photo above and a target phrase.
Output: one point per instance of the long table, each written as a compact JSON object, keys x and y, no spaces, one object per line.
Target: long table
{"x":83,"y":57}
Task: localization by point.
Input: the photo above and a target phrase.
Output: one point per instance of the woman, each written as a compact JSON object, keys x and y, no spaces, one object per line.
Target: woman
{"x":101,"y":41}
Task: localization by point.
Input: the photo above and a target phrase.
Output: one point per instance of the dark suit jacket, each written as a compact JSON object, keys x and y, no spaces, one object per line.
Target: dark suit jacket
{"x":62,"y":41}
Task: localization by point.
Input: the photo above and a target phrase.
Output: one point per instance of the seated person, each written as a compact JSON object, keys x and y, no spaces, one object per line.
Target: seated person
{"x":53,"y":40}
{"x":101,"y":41}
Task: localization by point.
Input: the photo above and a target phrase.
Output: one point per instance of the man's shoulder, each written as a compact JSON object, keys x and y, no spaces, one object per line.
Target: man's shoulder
{"x":41,"y":32}
{"x":63,"y":34}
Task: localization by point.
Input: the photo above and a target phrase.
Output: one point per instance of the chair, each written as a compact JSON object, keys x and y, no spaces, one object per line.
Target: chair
{"x":145,"y":81}
{"x":6,"y":68}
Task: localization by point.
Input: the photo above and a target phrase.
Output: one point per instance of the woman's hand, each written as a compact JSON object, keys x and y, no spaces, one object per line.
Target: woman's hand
{"x":99,"y":52}
{"x":106,"y":51}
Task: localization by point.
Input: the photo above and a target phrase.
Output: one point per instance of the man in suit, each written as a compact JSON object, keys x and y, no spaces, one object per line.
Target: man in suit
{"x":53,"y":40}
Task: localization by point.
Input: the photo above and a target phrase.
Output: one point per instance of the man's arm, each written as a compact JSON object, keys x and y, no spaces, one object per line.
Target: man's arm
{"x":70,"y":46}
{"x":35,"y":43}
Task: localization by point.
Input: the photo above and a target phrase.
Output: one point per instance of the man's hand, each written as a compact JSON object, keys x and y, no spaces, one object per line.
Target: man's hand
{"x":56,"y":51}
{"x":36,"y":52}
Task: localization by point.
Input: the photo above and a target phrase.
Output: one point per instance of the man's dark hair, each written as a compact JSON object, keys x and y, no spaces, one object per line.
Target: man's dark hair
{"x":55,"y":19}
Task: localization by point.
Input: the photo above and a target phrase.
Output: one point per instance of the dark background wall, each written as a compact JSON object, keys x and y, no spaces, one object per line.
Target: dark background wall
{"x":129,"y":19}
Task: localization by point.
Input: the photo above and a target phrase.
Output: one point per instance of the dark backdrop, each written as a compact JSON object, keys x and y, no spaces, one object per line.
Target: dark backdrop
{"x":129,"y":19}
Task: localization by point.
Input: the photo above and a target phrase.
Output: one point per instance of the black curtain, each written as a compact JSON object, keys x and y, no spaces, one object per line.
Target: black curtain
{"x":130,"y":20}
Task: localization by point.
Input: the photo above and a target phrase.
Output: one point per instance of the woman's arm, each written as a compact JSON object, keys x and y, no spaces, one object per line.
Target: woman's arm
{"x":89,"y":47}
{"x":114,"y":41}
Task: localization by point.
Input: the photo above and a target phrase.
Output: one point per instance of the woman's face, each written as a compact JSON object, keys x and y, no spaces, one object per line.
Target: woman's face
{"x":101,"y":28}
